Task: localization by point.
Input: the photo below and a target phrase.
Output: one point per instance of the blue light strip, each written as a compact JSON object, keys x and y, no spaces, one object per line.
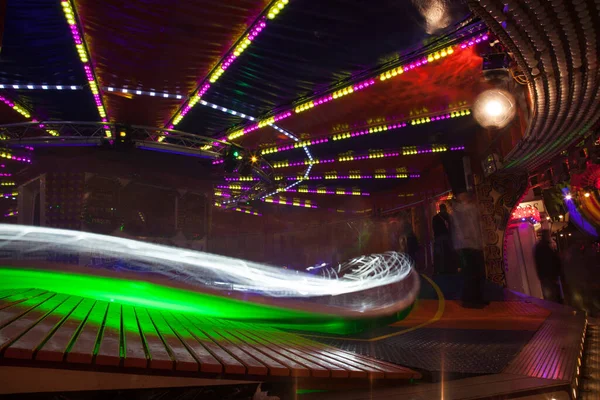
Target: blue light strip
{"x":576,"y":217}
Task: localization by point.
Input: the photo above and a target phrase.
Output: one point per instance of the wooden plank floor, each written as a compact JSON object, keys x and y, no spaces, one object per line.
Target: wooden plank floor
{"x":39,"y":327}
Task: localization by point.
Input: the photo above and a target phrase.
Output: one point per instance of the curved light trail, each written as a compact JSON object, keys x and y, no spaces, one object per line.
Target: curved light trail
{"x":205,"y":270}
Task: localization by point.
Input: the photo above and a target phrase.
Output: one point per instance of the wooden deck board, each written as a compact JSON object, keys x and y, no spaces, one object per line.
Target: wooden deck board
{"x":256,"y":364}
{"x":184,"y":361}
{"x":208,"y":363}
{"x":25,"y":315}
{"x":25,"y":299}
{"x":26,"y":345}
{"x":109,"y":352}
{"x":158,"y":353}
{"x":231,"y":365}
{"x":313,"y":368}
{"x":56,"y":347}
{"x":84,"y":344}
{"x":135,"y":353}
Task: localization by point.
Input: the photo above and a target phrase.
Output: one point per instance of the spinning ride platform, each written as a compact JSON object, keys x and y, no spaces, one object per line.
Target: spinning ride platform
{"x":77,"y":332}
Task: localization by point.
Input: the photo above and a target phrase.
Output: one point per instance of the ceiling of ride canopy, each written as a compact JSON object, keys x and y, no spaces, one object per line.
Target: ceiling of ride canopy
{"x":149,"y":59}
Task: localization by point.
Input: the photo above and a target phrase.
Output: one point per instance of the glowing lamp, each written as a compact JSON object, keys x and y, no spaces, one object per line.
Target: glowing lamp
{"x":587,"y":194}
{"x":494,"y":108}
{"x":568,"y":197}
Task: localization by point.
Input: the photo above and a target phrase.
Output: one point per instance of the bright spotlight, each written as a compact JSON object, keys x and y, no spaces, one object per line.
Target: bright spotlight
{"x":587,"y":194}
{"x":494,"y":108}
{"x":568,"y":197}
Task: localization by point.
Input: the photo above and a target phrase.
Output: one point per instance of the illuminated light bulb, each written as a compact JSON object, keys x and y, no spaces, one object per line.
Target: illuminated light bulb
{"x":494,"y":108}
{"x":450,"y":50}
{"x":587,"y":194}
{"x":568,"y":197}
{"x":436,"y":56}
{"x":443,"y":53}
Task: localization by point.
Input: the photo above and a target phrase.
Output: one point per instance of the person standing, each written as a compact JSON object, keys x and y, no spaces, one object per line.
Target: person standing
{"x":443,"y":260}
{"x":468,"y":242}
{"x":547,"y":263}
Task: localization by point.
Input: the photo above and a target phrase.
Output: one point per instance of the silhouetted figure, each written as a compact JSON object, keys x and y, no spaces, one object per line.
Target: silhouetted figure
{"x":466,"y":234}
{"x":443,"y":255}
{"x":407,"y":240}
{"x":547,"y":263}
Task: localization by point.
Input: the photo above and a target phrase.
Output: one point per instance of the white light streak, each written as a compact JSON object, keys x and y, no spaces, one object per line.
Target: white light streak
{"x":207,"y":270}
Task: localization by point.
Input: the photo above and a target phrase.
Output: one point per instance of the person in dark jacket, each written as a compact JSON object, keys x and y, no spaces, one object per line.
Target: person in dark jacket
{"x":468,"y":242}
{"x":547,"y":263}
{"x":443,"y":254}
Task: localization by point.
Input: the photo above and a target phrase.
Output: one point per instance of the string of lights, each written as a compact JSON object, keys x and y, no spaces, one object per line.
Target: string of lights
{"x":241,"y":45}
{"x":140,"y":92}
{"x":77,"y":33}
{"x":11,"y":195}
{"x":239,"y":209}
{"x":20,"y":86}
{"x":367,"y":131}
{"x":405,"y":151}
{"x":9,"y":156}
{"x":321,"y":190}
{"x":383,"y":175}
{"x":234,"y":186}
{"x":294,"y":202}
{"x":349,"y":89}
{"x":21,"y":110}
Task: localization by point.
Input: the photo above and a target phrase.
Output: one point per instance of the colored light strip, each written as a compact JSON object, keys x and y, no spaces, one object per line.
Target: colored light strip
{"x":241,"y":178}
{"x":383,"y":76}
{"x":406,"y":151}
{"x":332,"y":176}
{"x":234,"y":186}
{"x":238,"y":209}
{"x":338,"y":191}
{"x":139,"y":92}
{"x":576,"y":217}
{"x":10,"y":195}
{"x":24,"y":113}
{"x":12,"y":214}
{"x":241,"y":45}
{"x":7,"y":184}
{"x":5,"y":174}
{"x":39,"y":87}
{"x":246,"y":211}
{"x":367,"y":131}
{"x":294,"y":202}
{"x":8,"y":155}
{"x":220,"y":193}
{"x":15,"y":107}
{"x":77,"y":34}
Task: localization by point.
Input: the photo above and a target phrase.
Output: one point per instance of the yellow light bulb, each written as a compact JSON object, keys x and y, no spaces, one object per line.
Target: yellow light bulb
{"x":430,"y":58}
{"x":436,"y":56}
{"x":450,"y":50}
